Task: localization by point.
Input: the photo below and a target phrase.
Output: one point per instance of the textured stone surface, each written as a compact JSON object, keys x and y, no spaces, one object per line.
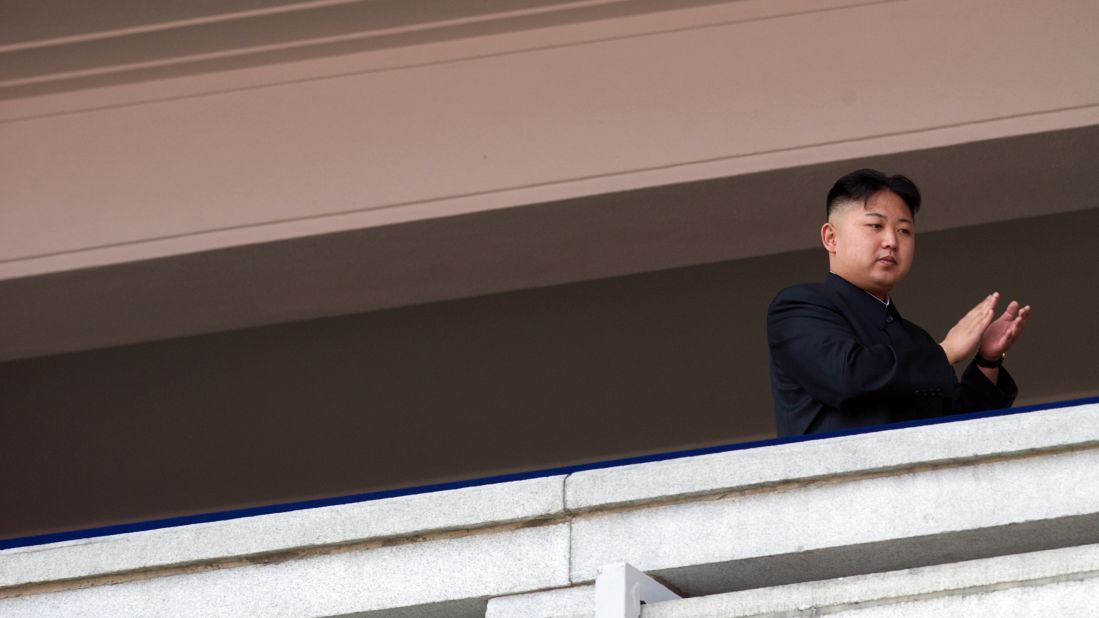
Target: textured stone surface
{"x":423,"y":574}
{"x":1061,"y":582}
{"x":878,"y":514}
{"x":1071,"y":599}
{"x":576,"y":600}
{"x":738,"y":470}
{"x":394,"y":517}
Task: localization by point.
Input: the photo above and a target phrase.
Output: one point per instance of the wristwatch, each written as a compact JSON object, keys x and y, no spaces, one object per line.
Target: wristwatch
{"x":984,"y":362}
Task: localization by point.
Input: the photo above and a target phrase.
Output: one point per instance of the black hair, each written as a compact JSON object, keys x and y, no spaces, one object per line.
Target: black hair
{"x":861,"y":185}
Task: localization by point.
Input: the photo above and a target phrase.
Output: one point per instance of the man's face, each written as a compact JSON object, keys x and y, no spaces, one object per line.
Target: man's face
{"x":872,"y":246}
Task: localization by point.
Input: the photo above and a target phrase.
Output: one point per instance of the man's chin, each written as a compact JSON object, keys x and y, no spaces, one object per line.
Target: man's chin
{"x":890,"y":276}
{"x":885,"y":284}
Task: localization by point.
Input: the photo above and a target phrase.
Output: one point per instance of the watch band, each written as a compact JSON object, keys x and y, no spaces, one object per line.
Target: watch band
{"x":984,"y":362}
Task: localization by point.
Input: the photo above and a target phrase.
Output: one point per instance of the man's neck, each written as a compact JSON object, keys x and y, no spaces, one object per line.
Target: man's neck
{"x":881,"y":298}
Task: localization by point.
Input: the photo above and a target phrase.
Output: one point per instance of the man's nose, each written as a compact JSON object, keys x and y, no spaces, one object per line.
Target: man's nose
{"x":889,"y":239}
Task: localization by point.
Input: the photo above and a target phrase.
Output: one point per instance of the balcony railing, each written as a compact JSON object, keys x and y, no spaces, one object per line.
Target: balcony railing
{"x":704,"y":523}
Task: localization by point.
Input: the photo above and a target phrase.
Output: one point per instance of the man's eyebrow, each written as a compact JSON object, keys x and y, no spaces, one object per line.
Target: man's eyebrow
{"x":881,"y":216}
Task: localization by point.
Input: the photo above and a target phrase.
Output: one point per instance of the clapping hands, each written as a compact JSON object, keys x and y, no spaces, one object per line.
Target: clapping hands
{"x":977,"y":331}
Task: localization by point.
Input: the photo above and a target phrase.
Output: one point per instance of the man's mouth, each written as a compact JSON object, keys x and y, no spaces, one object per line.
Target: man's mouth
{"x":888,"y":260}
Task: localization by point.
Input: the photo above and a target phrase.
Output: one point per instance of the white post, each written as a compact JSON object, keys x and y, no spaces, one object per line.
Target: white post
{"x":620,"y":589}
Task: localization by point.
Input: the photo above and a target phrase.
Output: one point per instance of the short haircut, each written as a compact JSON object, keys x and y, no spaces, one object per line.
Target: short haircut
{"x":861,"y":185}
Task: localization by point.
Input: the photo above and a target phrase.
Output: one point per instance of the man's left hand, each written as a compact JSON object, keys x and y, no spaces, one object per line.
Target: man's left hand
{"x":1003,"y":331}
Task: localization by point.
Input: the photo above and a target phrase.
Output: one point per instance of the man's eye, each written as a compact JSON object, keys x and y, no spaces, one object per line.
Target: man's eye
{"x":876,"y":226}
{"x":906,"y":232}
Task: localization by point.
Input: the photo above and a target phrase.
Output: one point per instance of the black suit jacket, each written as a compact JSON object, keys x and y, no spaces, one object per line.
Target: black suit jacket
{"x":841,"y":359}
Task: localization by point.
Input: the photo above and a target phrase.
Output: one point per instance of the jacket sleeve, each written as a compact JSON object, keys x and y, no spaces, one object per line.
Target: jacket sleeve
{"x":976,"y":393}
{"x":814,"y":344}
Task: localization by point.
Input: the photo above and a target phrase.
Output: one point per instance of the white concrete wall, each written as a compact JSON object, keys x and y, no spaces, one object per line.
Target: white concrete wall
{"x":859,"y":506}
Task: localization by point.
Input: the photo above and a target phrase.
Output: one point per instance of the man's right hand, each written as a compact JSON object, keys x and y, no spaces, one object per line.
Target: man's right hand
{"x":964,"y":338}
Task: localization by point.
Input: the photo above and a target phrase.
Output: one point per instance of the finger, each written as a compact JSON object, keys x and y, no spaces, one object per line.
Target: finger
{"x":982,"y":314}
{"x":989,"y":310}
{"x":1013,"y":330}
{"x":989,"y":306}
{"x":1021,"y":319}
{"x":1020,"y":323}
{"x":985,"y":302}
{"x":977,"y":321}
{"x":1011,"y":312}
{"x":1023,"y":316}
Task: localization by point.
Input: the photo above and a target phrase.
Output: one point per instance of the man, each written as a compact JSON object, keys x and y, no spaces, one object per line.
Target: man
{"x":841,"y":354}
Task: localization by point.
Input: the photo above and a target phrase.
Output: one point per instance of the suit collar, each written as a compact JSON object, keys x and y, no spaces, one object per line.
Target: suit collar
{"x":858,"y":300}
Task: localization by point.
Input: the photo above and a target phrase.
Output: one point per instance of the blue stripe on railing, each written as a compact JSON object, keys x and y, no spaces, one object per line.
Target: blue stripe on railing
{"x":170,"y":522}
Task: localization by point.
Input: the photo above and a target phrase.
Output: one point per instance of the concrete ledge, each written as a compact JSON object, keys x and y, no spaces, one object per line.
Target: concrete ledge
{"x":1064,"y":581}
{"x":755,"y":519}
{"x":450,"y":577}
{"x":862,"y":454}
{"x":544,"y":604}
{"x":1060,"y":582}
{"x":404,"y":516}
{"x":829,"y":529}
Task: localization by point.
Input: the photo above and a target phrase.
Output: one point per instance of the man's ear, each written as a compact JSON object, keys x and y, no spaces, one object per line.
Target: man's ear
{"x":828,"y":237}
